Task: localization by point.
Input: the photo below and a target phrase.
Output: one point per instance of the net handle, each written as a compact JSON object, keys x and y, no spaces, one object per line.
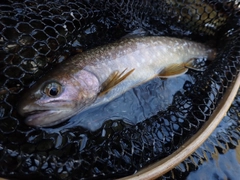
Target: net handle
{"x":163,"y":166}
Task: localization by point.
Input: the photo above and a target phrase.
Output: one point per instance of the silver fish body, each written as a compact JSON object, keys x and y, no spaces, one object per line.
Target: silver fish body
{"x":99,"y":75}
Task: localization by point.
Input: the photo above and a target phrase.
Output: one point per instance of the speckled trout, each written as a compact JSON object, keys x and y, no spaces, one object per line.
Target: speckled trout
{"x":100,"y":75}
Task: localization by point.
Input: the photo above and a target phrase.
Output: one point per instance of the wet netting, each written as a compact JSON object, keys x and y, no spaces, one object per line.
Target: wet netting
{"x":35,"y":35}
{"x":224,"y":139}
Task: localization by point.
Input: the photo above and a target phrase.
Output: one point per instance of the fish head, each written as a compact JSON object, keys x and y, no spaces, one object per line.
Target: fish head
{"x":58,"y":96}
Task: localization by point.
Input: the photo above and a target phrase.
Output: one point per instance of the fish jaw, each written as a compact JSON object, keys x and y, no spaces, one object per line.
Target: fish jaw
{"x":48,"y":115}
{"x":53,"y":117}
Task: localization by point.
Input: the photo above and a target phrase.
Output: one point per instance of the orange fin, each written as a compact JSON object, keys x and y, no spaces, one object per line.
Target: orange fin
{"x":172,"y":71}
{"x":197,"y":64}
{"x":114,"y":79}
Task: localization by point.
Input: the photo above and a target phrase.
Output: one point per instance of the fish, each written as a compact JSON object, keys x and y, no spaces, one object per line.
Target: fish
{"x":99,"y":75}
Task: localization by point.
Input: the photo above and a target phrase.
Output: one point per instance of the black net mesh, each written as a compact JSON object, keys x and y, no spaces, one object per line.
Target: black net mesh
{"x":37,"y":34}
{"x":224,"y":139}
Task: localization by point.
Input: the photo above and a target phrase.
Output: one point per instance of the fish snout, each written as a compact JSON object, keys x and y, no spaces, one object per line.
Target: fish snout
{"x":23,"y":109}
{"x":27,"y":103}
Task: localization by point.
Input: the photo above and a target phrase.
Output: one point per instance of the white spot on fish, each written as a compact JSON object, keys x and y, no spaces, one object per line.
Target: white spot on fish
{"x":138,"y":64}
{"x":129,"y":49}
{"x":150,"y":59}
{"x":165,"y":49}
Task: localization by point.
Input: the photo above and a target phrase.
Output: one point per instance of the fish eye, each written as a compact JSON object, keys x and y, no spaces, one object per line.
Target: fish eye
{"x":52,"y":89}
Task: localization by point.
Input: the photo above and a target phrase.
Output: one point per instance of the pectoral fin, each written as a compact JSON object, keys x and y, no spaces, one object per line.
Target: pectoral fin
{"x":114,"y":79}
{"x":173,"y":70}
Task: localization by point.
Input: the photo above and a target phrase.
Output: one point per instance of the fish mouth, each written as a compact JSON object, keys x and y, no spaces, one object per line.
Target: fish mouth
{"x":35,"y":112}
{"x":43,"y":118}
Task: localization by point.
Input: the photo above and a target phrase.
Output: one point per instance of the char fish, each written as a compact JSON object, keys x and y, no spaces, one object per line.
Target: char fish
{"x":99,"y":75}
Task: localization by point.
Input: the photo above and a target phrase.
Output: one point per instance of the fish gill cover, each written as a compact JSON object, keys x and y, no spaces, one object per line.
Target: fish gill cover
{"x":36,"y":34}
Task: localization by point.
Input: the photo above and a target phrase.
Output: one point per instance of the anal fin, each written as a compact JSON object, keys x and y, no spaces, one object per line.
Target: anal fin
{"x":114,"y":79}
{"x":197,"y":64}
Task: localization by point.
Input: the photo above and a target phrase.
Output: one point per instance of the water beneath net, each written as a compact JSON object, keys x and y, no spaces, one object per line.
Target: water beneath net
{"x":224,"y":161}
{"x":223,"y":166}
